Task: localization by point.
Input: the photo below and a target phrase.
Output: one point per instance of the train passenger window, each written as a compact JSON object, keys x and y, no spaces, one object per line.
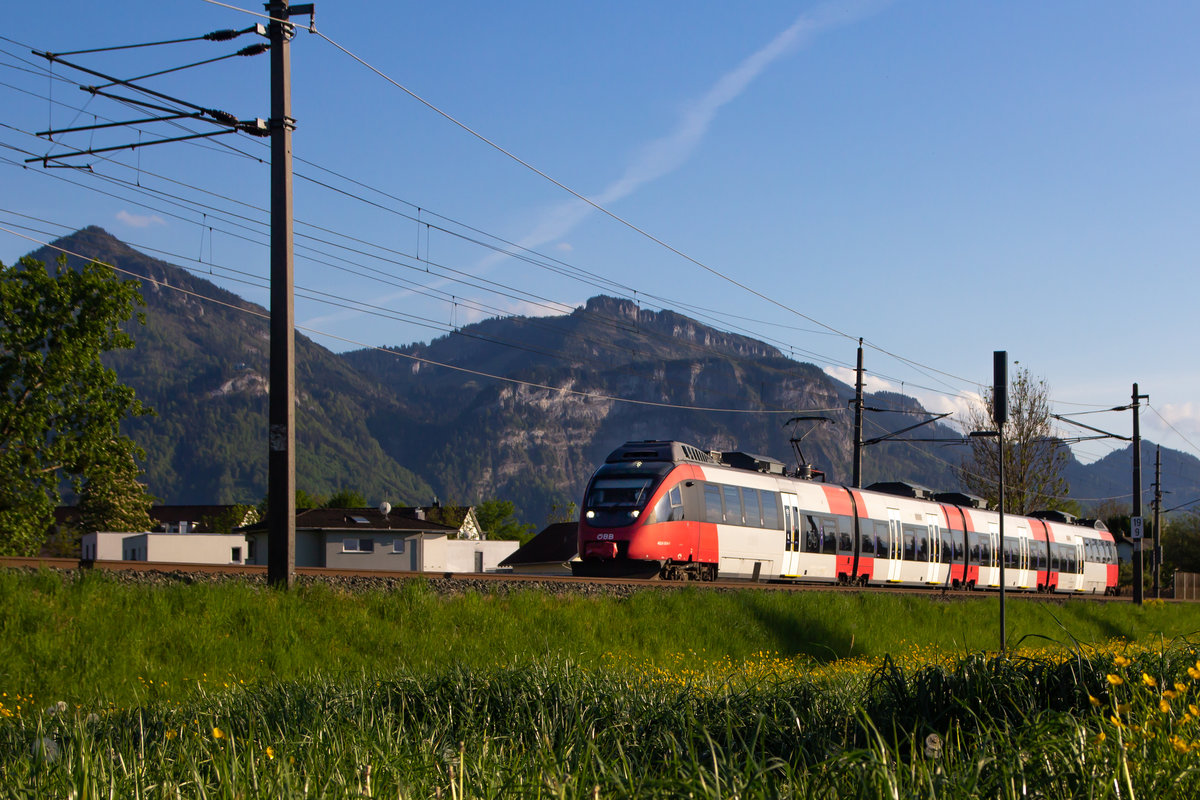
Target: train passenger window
{"x":959,"y":547}
{"x":947,"y":547}
{"x":829,"y":533}
{"x":866,"y":544}
{"x":733,"y":505}
{"x":845,"y":535}
{"x":812,"y":537}
{"x":712,"y":503}
{"x":910,"y":539}
{"x":985,"y":549}
{"x":922,"y":545}
{"x":882,"y":540}
{"x":770,"y":510}
{"x":753,"y":507}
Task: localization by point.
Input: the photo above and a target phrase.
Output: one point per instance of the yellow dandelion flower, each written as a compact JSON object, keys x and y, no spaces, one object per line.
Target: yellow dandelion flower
{"x":1170,"y":695}
{"x":1194,"y":673}
{"x":1099,"y":739}
{"x":1116,"y":721}
{"x":1148,"y":680}
{"x":218,"y":733}
{"x":1115,"y":680}
{"x":1122,"y":661}
{"x":1195,"y":709}
{"x":172,"y":734}
{"x":270,"y":752}
{"x":1180,"y":745}
{"x":1180,"y":687}
{"x":1093,"y":700}
{"x":1164,"y":706}
{"x":1123,"y":708}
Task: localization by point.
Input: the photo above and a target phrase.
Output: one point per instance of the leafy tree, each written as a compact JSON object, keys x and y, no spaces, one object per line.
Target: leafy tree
{"x":497,"y":518}
{"x":1181,"y":545}
{"x":60,"y":407}
{"x":114,"y":500}
{"x":346,"y":498}
{"x":563,"y":513}
{"x":236,"y":516}
{"x":1034,"y":460}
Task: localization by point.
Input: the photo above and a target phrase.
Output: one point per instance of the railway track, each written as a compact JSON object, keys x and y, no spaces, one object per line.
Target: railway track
{"x":512,"y":581}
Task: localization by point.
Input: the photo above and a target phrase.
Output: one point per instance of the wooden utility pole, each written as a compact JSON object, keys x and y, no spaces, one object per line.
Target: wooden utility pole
{"x":281,"y":463}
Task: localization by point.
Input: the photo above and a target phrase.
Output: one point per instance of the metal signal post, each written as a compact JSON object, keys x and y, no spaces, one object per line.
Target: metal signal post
{"x":1138,"y":589}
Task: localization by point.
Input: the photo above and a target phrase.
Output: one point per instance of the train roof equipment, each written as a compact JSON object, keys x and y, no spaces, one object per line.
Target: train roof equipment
{"x":753,"y":462}
{"x":1052,"y":515}
{"x":902,"y":489}
{"x":650,"y":450}
{"x":960,"y":499}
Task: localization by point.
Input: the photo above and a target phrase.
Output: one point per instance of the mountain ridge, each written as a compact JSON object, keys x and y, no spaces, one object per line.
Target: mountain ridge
{"x":397,"y":425}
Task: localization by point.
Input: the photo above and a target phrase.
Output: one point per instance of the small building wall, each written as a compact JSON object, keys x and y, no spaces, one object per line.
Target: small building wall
{"x":464,"y":555}
{"x":309,"y":550}
{"x":102,"y":546}
{"x":185,"y":548}
{"x":392,"y":551}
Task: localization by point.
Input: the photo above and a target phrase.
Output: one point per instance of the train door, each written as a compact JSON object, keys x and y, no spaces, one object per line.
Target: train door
{"x":895,"y":544}
{"x":1023,"y":556}
{"x":935,"y":548}
{"x":791,"y":537}
{"x":993,"y":564}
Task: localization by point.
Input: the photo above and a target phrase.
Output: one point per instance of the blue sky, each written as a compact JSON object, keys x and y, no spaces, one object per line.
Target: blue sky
{"x":944,"y":179}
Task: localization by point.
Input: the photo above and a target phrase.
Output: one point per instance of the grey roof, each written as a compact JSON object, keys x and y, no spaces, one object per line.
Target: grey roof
{"x":556,"y":543}
{"x":362,"y":519}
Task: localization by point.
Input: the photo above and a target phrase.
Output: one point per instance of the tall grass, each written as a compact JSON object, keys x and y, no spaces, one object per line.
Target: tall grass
{"x":1075,"y":725}
{"x":91,"y":639}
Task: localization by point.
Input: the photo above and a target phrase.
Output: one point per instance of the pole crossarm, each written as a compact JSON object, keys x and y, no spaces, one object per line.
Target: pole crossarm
{"x":133,"y":146}
{"x":1103,"y":433}
{"x":893,"y":434}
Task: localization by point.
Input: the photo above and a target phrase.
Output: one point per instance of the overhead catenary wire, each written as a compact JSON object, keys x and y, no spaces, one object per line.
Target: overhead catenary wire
{"x":831,"y":330}
{"x":432,"y":362}
{"x":844,"y":363}
{"x":602,"y":209}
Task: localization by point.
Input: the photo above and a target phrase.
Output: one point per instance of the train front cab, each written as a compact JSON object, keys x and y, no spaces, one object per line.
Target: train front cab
{"x":634,"y":524}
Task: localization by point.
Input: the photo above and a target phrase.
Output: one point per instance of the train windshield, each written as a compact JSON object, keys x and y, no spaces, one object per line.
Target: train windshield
{"x":619,"y":492}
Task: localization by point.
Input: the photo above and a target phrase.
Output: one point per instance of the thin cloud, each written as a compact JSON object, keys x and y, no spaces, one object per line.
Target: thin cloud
{"x":140,"y":220}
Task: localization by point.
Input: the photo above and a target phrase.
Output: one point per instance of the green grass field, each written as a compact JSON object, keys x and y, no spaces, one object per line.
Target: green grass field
{"x":235,"y":691}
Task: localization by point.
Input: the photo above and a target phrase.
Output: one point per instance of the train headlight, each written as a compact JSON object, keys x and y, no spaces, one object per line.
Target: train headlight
{"x":590,"y":514}
{"x":635,"y":513}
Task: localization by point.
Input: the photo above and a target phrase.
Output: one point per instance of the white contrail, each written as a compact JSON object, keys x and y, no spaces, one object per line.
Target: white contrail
{"x":666,"y":154}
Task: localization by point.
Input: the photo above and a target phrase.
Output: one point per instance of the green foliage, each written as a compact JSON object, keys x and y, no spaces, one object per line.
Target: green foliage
{"x":61,"y":408}
{"x":345,"y":498}
{"x":1181,"y":545}
{"x":236,"y":516}
{"x":498,"y":520}
{"x":563,"y":513}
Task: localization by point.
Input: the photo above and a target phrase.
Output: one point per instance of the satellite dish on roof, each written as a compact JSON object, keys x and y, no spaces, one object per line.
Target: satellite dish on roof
{"x":385,"y":508}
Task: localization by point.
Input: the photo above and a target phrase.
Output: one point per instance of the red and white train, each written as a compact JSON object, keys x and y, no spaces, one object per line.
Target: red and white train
{"x":675,"y":511}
